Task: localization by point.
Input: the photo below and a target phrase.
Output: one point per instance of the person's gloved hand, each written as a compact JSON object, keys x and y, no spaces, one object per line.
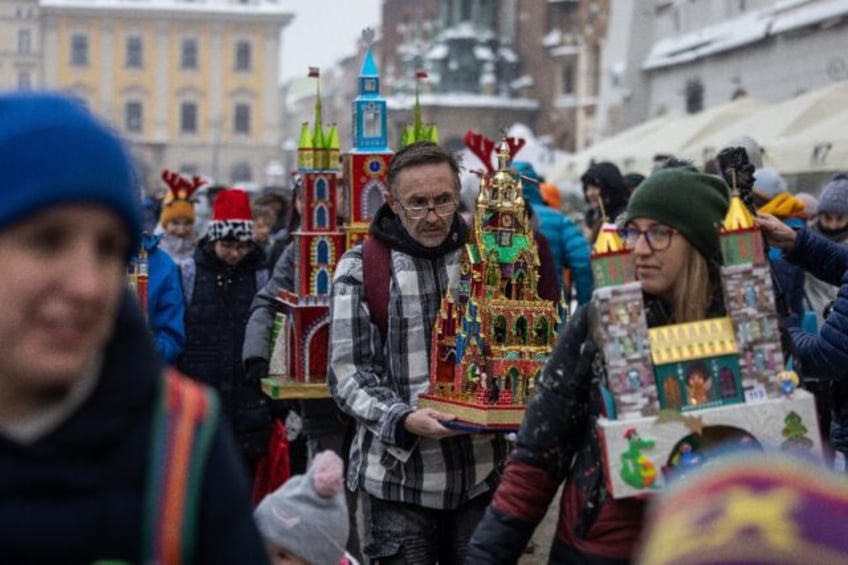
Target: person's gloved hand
{"x":255,"y":369}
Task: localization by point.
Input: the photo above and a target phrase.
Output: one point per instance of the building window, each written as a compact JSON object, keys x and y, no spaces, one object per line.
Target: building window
{"x":694,"y":96}
{"x":24,"y":80}
{"x":24,"y":42}
{"x":188,"y":54}
{"x":188,"y":117}
{"x":242,"y":173}
{"x":133,"y":117}
{"x":568,"y":78}
{"x":241,"y":122}
{"x":135,"y":51}
{"x":79,"y":50}
{"x":243,"y":56}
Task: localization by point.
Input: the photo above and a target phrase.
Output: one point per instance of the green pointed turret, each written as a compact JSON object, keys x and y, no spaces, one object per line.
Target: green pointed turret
{"x":333,"y":147}
{"x":305,"y":149}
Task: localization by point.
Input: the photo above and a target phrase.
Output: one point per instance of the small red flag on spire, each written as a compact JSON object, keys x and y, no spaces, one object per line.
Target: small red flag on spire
{"x":314,"y":72}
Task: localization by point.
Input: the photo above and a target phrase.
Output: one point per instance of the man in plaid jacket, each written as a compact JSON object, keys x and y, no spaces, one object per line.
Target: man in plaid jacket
{"x":427,"y":485}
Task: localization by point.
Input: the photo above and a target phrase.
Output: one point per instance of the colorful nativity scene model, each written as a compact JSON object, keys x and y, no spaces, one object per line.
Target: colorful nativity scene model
{"x":681,"y":389}
{"x":494,"y":333}
{"x":300,"y":337}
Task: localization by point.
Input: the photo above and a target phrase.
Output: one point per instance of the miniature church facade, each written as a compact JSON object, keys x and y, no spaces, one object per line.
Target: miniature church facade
{"x":494,"y":333}
{"x":301,"y":330}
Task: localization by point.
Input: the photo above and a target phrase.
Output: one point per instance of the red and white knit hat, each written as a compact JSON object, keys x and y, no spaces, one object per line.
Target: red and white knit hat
{"x":231,"y":217}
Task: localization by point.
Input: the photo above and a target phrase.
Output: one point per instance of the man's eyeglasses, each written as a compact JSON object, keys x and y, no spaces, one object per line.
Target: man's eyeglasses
{"x":442,"y":206}
{"x":657,"y":237}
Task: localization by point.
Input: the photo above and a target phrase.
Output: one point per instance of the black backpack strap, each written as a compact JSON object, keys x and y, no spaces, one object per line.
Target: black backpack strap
{"x":377,"y":276}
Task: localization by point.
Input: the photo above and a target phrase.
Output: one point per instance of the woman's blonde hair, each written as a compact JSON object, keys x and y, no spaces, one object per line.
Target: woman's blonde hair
{"x":693,"y":290}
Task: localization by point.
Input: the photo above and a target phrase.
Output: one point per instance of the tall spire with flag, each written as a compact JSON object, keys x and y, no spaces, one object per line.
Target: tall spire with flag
{"x":318,"y":137}
{"x":417,"y":131}
{"x":367,"y":163}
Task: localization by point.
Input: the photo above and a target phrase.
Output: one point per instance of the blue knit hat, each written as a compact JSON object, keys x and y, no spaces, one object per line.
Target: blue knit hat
{"x":54,"y":151}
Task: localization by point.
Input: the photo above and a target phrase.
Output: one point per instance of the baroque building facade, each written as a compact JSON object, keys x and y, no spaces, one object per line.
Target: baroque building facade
{"x":193,"y":85}
{"x":20,"y":50}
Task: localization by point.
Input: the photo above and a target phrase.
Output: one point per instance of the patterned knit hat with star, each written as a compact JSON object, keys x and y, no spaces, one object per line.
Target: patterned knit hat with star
{"x":750,"y":509}
{"x":307,"y":516}
{"x":232,"y":219}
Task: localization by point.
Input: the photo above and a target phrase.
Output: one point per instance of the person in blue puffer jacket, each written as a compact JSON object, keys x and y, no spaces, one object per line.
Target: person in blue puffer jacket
{"x":823,"y":355}
{"x":568,"y":245}
{"x":165,"y":308}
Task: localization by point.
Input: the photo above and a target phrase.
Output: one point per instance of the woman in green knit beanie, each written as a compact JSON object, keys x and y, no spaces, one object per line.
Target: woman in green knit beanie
{"x":671,"y":228}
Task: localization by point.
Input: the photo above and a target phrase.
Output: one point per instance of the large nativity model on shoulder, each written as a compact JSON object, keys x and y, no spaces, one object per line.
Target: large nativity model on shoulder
{"x":494,"y":333}
{"x":298,"y":362}
{"x":353,"y":188}
{"x":680,"y":390}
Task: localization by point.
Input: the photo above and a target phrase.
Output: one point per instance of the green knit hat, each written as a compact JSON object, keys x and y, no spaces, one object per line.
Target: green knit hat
{"x":690,"y":202}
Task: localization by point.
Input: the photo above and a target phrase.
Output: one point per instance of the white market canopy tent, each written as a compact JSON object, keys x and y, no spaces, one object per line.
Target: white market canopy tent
{"x":808,"y":133}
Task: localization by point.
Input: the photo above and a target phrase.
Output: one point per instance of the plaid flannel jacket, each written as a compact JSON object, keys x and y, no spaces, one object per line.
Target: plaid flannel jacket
{"x":378,"y":384}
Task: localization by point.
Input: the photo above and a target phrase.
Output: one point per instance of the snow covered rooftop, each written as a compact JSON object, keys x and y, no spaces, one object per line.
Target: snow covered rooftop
{"x":462,"y":100}
{"x":483,"y":53}
{"x":553,"y":38}
{"x":749,"y":28}
{"x":439,"y":51}
{"x":507,"y":54}
{"x":465,"y":30}
{"x":251,"y":7}
{"x":521,"y":82}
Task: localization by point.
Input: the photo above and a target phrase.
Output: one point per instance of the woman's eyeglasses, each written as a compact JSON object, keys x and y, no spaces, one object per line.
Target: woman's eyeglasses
{"x":657,"y":237}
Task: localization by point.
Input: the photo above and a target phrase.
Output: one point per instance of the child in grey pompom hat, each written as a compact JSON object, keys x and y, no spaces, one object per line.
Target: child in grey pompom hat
{"x":305,"y":522}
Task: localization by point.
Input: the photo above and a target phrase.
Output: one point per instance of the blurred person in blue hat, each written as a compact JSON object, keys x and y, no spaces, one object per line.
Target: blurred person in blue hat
{"x":569,"y":248}
{"x":103,"y":455}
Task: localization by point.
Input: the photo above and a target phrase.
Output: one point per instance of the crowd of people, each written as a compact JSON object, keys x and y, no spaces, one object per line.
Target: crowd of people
{"x":132,"y":434}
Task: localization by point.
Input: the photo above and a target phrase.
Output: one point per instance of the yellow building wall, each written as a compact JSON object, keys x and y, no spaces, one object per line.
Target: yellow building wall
{"x":236,"y":81}
{"x":132,"y":80}
{"x":181,"y":80}
{"x":79,"y":78}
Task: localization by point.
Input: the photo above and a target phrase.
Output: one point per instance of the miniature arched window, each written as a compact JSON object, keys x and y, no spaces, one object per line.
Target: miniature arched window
{"x":493,"y":275}
{"x":471,"y":381}
{"x":514,"y":384}
{"x":671,"y":391}
{"x":372,"y":198}
{"x":521,"y":330}
{"x":499,"y":329}
{"x":541,"y":330}
{"x":322,"y":283}
{"x":518,"y":282}
{"x":320,"y":216}
{"x":322,"y":252}
{"x":727,"y":383}
{"x":321,"y":189}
